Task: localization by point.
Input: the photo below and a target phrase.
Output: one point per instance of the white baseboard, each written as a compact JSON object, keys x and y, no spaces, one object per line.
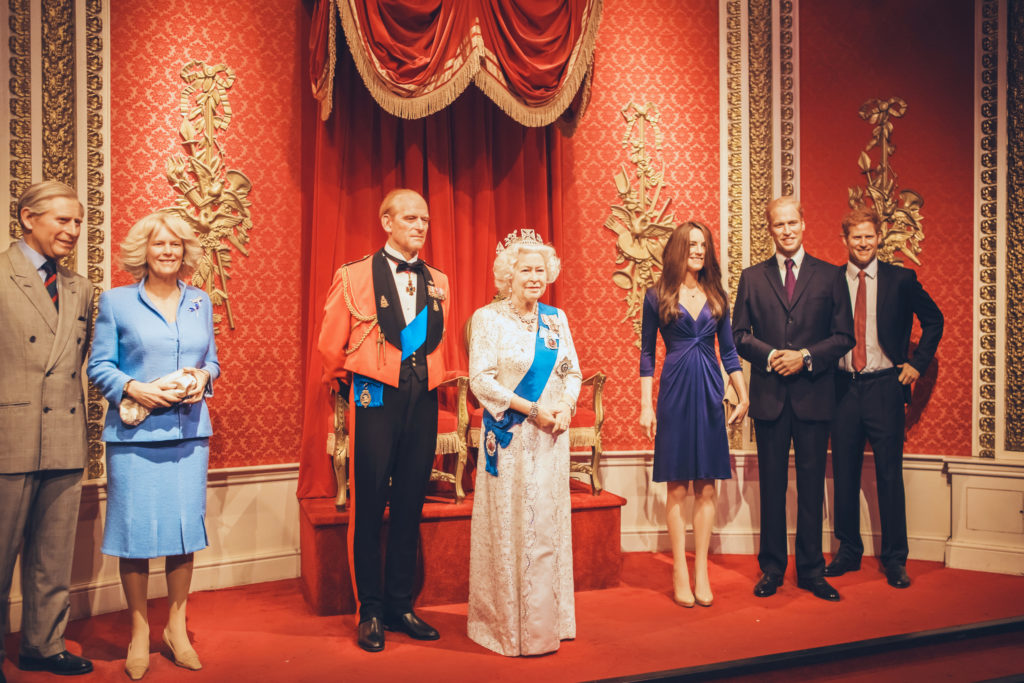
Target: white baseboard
{"x":252,"y":523}
{"x":985,"y":558}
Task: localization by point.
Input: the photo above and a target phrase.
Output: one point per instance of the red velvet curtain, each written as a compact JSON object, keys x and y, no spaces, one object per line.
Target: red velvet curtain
{"x":530,"y":57}
{"x":482,"y":174}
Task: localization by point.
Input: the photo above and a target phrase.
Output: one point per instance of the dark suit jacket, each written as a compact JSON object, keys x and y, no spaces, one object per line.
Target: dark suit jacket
{"x":819,"y":319}
{"x":900,"y":298}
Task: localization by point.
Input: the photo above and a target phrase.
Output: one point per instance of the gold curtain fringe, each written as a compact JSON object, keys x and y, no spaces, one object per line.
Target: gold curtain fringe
{"x":448,"y":443}
{"x":470,"y":71}
{"x":323,"y":89}
{"x":581,"y":437}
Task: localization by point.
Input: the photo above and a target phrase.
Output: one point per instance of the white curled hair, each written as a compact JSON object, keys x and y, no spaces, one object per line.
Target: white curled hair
{"x":507,"y":259}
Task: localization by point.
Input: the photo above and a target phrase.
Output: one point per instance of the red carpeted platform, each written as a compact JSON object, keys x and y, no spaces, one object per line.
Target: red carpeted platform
{"x":444,"y":531}
{"x":266,"y":633}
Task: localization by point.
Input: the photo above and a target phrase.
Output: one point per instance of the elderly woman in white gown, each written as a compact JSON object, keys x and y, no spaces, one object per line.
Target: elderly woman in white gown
{"x":524,"y":371}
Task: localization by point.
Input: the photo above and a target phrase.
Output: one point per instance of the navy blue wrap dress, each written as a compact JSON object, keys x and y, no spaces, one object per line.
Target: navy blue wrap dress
{"x":690,"y":442}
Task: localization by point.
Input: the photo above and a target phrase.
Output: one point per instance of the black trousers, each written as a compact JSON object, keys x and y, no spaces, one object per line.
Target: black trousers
{"x":869,"y":409}
{"x":393,"y":452}
{"x":810,"y":443}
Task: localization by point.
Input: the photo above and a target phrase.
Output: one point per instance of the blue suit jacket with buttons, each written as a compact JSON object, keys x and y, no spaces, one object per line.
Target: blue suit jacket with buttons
{"x":132,"y":340}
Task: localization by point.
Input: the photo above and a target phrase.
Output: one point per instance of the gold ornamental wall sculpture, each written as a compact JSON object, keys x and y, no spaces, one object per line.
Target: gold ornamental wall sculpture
{"x":900,"y":211}
{"x":212,"y":198}
{"x":641,"y":225}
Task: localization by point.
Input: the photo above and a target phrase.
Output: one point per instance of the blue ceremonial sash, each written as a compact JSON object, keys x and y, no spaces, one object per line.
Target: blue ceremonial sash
{"x":414,"y":335}
{"x":499,"y":432}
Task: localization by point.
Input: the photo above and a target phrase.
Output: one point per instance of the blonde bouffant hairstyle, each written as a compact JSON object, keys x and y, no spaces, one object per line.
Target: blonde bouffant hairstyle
{"x":506,"y":261}
{"x":133,"y":248}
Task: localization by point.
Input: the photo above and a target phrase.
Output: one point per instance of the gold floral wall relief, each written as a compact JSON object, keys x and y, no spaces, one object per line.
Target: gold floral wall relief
{"x":641,"y":220}
{"x":900,"y":210}
{"x":212,"y":198}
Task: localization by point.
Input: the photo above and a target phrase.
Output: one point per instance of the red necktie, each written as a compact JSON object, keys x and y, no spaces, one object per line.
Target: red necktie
{"x":860,"y":324}
{"x":790,"y":282}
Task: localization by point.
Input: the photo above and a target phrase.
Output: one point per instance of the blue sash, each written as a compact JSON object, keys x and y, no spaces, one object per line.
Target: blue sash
{"x":414,"y":335}
{"x":498,"y":433}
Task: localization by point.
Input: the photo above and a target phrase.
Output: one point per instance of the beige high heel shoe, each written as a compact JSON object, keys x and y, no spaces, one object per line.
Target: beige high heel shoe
{"x":136,"y":663}
{"x":186,"y":659}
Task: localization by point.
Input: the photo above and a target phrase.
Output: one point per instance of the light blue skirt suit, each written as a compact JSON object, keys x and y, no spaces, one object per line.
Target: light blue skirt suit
{"x":156,"y":470}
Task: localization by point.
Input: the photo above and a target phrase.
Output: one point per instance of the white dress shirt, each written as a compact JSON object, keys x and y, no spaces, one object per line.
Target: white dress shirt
{"x":876,"y":358}
{"x":407,"y":300}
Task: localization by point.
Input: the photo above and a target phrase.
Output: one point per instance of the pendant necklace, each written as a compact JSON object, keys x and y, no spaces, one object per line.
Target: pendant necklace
{"x":528,"y":321}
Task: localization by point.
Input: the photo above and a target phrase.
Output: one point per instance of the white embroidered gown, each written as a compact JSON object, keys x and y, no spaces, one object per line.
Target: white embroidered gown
{"x":520,"y":565}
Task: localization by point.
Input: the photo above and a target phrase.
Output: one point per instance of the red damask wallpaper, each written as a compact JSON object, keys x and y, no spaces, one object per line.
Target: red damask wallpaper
{"x":664,"y":52}
{"x":852,"y":52}
{"x":256,"y":408}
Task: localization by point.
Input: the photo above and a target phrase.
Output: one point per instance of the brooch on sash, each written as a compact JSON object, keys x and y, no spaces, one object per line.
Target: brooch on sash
{"x":369,"y":393}
{"x":563,"y":368}
{"x":491,"y":444}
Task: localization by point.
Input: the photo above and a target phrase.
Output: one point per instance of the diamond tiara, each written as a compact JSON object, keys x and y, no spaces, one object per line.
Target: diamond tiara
{"x":525,"y":235}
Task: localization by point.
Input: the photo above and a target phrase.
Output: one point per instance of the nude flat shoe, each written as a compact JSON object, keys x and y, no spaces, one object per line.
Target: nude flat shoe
{"x":136,"y":663}
{"x":186,"y":659}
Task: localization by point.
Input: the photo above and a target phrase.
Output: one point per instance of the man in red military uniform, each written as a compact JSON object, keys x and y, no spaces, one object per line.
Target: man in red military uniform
{"x":382,"y":338}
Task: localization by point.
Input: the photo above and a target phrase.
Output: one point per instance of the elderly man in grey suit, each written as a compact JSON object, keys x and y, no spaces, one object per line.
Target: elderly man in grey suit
{"x":46,"y":311}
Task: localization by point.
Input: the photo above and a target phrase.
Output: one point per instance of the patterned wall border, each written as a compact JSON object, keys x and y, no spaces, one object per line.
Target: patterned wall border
{"x":58,"y":57}
{"x":759,"y":89}
{"x":95,"y":184}
{"x":20,"y":85}
{"x":987,"y":81}
{"x":733,"y":185}
{"x":1013,"y":417}
{"x":787,"y":111}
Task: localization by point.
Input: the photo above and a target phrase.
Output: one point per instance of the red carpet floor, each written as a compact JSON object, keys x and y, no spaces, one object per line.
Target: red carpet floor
{"x":266,"y":632}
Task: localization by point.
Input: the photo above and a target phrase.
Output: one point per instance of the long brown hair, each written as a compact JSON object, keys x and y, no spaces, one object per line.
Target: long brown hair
{"x":673,"y":270}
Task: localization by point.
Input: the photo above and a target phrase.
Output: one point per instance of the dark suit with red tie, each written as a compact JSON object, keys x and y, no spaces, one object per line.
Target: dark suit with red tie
{"x":870,"y":407}
{"x":796,"y":408}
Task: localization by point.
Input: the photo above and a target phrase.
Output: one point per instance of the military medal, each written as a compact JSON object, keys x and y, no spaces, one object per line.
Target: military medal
{"x":410,"y":287}
{"x":364,"y":396}
{"x":383,"y":302}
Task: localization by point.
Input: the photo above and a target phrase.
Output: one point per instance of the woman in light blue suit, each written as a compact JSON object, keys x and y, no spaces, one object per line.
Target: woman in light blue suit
{"x":156,"y":470}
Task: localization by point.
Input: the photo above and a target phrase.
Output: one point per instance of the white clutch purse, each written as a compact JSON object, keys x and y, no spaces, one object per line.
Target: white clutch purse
{"x":133,"y":413}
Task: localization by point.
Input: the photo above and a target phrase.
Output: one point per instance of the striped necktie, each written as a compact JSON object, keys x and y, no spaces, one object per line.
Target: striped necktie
{"x":50,"y":268}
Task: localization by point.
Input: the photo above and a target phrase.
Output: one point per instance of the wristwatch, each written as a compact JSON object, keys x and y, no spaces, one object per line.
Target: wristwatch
{"x":807,"y":359}
{"x":534,"y":410}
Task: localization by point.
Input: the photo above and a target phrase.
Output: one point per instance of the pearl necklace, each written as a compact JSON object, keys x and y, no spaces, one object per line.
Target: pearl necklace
{"x":528,"y":321}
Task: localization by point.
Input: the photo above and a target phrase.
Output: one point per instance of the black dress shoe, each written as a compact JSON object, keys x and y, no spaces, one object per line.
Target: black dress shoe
{"x":820,"y":587}
{"x":371,"y":634}
{"x":767,"y":585}
{"x":897,"y":576}
{"x":62,"y":664}
{"x":411,"y":625}
{"x":840,"y":565}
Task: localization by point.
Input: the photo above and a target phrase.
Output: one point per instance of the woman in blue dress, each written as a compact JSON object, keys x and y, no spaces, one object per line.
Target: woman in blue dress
{"x":691,"y":448}
{"x":156,"y":468}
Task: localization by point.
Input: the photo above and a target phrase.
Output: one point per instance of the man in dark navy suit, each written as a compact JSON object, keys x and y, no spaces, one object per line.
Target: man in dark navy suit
{"x":792,"y":321}
{"x":872,"y":388}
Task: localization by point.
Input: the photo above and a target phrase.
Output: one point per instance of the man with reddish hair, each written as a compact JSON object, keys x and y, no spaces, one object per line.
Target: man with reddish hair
{"x":381,"y":339}
{"x":872,"y":388}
